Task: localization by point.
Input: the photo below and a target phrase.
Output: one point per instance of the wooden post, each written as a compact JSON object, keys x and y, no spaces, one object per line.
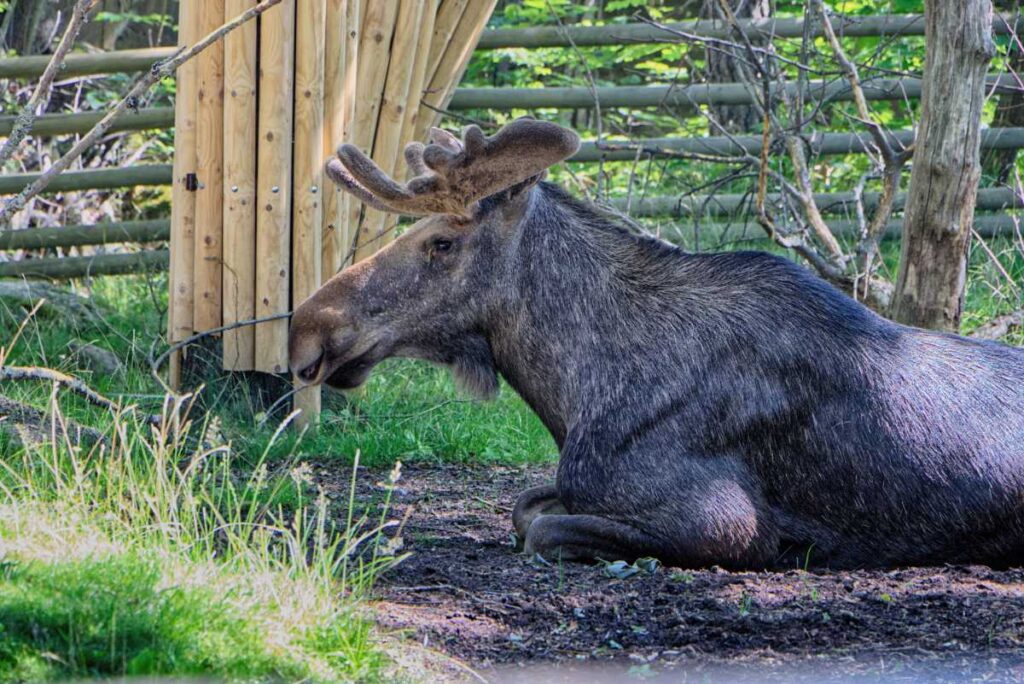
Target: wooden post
{"x":210,"y":171}
{"x":374,"y":55}
{"x":453,"y":61}
{"x":274,"y":184}
{"x":307,"y":207}
{"x":239,"y":273}
{"x":410,"y":114}
{"x":342,"y":42}
{"x":179,"y":313}
{"x":387,"y":144}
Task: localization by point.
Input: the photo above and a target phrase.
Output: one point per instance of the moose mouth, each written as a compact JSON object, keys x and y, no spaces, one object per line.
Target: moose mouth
{"x":353,"y":372}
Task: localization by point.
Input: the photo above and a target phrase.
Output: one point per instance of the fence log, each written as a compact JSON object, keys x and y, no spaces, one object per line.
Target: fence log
{"x":554,"y":98}
{"x":82,"y":122}
{"x":582,"y":36}
{"x":183,"y":205}
{"x":989,"y":199}
{"x":374,"y":57}
{"x":820,"y":144}
{"x":124,"y":177}
{"x":81,"y":267}
{"x":274,"y":184}
{"x":238,"y":276}
{"x":156,"y":230}
{"x":340,"y":72}
{"x":711,"y":235}
{"x":210,"y":170}
{"x":307,"y":207}
{"x":688,"y":97}
{"x":394,"y":100}
{"x":625,"y":34}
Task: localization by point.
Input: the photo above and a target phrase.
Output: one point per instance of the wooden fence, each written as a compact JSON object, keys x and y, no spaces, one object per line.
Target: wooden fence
{"x":255,"y":226}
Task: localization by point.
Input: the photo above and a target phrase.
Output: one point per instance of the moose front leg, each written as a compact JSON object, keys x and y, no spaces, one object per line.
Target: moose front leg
{"x":588,"y":538}
{"x":532,"y":503}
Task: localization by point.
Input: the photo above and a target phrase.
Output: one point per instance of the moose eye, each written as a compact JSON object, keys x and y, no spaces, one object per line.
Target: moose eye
{"x":441,"y":246}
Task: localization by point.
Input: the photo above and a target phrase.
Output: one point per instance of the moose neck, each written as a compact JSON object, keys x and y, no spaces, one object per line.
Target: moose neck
{"x":564,"y":336}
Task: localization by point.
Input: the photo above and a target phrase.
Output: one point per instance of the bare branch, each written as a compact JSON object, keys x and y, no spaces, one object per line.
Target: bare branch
{"x":41,"y":95}
{"x":64,"y":380}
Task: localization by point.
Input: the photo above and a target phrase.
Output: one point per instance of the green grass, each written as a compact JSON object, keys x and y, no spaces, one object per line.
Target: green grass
{"x":113,"y":616}
{"x":152,"y":554}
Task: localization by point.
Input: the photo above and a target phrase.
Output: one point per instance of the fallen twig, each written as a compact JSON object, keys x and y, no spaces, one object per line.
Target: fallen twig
{"x":999,"y":326}
{"x":65,"y":380}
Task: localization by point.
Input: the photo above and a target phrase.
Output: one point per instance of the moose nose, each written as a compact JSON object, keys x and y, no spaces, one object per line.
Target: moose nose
{"x":312,"y":371}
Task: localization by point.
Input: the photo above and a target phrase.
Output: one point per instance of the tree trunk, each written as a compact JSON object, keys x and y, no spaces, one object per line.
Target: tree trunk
{"x":723,"y":65}
{"x":946,"y":167}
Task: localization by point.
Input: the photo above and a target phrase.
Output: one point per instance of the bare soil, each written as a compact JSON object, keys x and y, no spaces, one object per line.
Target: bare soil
{"x":467,"y":593}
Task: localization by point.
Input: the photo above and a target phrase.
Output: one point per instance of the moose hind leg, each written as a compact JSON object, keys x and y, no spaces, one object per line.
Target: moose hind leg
{"x":587,"y":537}
{"x":532,"y":503}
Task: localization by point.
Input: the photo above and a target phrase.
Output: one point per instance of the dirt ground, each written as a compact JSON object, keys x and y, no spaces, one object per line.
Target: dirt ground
{"x":500,"y":616}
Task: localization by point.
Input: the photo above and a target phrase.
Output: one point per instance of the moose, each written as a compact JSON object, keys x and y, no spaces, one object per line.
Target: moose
{"x":709,"y":408}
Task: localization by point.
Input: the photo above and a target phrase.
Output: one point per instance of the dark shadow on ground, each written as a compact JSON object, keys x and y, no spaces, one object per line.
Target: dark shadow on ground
{"x":467,"y":593}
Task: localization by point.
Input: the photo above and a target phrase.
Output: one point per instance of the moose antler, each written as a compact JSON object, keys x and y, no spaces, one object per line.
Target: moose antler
{"x":451,"y":175}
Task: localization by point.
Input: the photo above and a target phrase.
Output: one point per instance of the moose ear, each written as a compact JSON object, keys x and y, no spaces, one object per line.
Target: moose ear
{"x":520,"y":188}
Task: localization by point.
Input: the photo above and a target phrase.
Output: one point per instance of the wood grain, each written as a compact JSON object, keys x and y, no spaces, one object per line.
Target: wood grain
{"x":239,"y":189}
{"x":274,"y":184}
{"x":308,"y":177}
{"x":374,"y":55}
{"x":210,"y":169}
{"x":179,"y":315}
{"x":397,"y":98}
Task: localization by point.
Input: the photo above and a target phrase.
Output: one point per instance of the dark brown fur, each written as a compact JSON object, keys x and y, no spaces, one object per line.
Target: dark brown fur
{"x":709,"y":408}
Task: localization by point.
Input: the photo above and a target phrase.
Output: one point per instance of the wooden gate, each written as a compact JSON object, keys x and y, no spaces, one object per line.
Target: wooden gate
{"x":255,"y":225}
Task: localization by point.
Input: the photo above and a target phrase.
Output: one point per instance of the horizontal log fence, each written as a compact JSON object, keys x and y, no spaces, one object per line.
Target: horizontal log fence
{"x":93,"y":179}
{"x":156,"y":230}
{"x":727,"y":204}
{"x":590,"y":151}
{"x":690,"y":96}
{"x":68,"y":268}
{"x":81,"y":122}
{"x":102,"y":63}
{"x":686,"y":97}
{"x":711,"y":234}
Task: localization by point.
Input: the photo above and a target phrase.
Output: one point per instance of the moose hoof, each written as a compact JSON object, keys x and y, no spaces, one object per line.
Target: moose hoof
{"x":532,"y":503}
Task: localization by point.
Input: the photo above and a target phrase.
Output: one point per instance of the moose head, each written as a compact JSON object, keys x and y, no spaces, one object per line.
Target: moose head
{"x":426,"y":294}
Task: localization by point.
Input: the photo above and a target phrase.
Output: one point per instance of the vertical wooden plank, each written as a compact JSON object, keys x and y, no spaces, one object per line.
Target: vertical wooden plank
{"x":395,"y":101}
{"x":274,"y":184}
{"x":349,"y":229}
{"x":374,"y":54}
{"x":410,"y":111}
{"x":307,"y":208}
{"x":454,"y":59}
{"x":449,"y":16}
{"x":341,"y":41}
{"x":239,"y":273}
{"x":179,"y":315}
{"x":210,"y":169}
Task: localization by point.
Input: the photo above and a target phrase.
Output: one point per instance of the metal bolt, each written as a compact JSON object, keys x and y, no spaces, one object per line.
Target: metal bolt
{"x":314,"y":189}
{"x":275,"y":189}
{"x":234,"y":188}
